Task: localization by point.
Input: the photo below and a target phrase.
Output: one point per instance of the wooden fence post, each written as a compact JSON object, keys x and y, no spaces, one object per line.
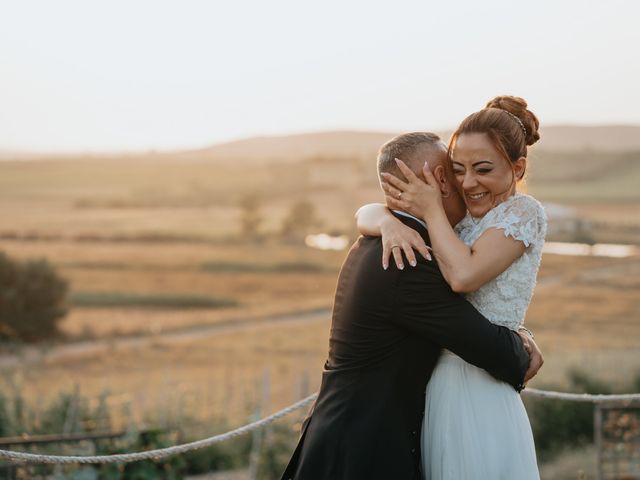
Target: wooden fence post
{"x":597,"y":427}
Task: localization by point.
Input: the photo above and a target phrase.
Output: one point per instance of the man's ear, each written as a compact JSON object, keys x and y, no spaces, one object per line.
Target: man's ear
{"x":441,"y":176}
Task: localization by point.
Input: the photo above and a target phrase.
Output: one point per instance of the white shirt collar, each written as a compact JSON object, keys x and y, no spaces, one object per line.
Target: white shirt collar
{"x":405,"y":214}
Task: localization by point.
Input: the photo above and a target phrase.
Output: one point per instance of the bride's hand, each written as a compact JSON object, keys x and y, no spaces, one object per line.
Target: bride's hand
{"x":535,"y":355}
{"x":398,"y":238}
{"x":417,"y":197}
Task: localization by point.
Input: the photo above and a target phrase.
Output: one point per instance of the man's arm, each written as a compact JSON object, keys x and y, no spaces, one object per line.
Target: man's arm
{"x":426,"y":305}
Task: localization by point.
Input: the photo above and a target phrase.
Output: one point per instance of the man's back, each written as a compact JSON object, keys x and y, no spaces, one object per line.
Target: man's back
{"x":387,"y":331}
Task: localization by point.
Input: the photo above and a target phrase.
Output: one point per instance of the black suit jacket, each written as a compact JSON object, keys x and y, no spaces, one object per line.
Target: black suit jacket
{"x":387,"y":331}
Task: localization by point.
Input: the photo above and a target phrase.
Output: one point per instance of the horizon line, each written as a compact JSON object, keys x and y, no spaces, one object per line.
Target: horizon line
{"x":25,"y":152}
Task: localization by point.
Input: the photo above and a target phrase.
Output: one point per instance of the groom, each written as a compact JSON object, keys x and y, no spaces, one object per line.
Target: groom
{"x":388,"y":329}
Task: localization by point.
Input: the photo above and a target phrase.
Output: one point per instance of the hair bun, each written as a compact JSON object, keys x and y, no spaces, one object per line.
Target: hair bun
{"x":518,"y":106}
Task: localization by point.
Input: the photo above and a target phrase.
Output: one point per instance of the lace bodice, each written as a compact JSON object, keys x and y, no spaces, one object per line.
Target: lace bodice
{"x":504,"y":300}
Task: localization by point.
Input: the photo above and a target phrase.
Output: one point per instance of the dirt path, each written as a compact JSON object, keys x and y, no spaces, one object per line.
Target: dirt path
{"x":38,"y":354}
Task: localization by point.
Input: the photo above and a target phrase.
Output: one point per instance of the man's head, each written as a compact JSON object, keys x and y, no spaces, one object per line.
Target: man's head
{"x":415,"y":149}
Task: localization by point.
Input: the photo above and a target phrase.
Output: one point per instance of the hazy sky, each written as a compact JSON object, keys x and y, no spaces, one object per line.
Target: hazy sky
{"x":138,"y":74}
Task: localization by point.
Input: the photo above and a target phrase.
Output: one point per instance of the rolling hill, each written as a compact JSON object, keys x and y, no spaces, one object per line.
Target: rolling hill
{"x":350,"y":143}
{"x":355,"y":143}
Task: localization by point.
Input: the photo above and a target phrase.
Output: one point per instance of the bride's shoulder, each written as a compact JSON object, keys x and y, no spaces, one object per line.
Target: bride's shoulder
{"x":521,"y":216}
{"x":521,"y":205}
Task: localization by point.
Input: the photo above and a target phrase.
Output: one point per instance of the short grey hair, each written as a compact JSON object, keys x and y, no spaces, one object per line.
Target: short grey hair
{"x":404,"y":147}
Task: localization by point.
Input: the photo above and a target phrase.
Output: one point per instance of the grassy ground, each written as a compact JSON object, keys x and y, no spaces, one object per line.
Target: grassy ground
{"x":576,"y":298}
{"x":585,"y":314}
{"x":91,"y":220}
{"x":171,"y":197}
{"x":578,"y":464}
{"x":187,"y":197}
{"x":585,"y":176}
{"x":259,"y":278}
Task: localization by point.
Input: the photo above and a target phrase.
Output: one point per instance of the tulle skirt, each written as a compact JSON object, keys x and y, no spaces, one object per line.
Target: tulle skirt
{"x":475,"y":427}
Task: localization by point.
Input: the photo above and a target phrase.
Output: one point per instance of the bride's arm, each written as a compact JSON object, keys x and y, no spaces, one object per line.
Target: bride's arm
{"x":465,"y":268}
{"x":375,"y":219}
{"x":370,"y":217}
{"x":468,"y":268}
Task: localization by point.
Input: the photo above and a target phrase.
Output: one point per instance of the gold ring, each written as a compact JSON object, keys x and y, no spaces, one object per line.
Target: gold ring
{"x":399,"y":195}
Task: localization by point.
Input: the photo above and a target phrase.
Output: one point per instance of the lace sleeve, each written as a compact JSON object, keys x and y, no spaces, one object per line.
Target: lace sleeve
{"x":521,"y":217}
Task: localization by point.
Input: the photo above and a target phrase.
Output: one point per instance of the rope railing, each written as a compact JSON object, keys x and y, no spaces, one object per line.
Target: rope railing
{"x":581,"y":397}
{"x":161,"y":452}
{"x":24,"y":457}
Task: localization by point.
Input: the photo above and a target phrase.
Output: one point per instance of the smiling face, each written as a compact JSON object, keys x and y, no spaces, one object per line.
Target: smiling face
{"x":484,"y":176}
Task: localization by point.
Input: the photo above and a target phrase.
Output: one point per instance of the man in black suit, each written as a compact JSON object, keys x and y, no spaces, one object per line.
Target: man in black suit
{"x":388,"y":329}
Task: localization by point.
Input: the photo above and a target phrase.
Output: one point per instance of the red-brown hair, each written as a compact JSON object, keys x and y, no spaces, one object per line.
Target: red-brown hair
{"x":508,"y":123}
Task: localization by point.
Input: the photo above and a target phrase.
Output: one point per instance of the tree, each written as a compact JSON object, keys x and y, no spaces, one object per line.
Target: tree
{"x":302,"y":218}
{"x":251,"y":218}
{"x":32,"y":299}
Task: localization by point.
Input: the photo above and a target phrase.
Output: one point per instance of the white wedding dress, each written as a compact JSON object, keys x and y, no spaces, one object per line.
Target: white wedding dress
{"x":476,"y":427}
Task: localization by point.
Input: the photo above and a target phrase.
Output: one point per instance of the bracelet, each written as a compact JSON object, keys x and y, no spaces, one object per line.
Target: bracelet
{"x":528,"y":331}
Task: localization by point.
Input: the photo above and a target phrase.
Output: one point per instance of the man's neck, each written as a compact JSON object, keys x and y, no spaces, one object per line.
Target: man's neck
{"x":405,"y":214}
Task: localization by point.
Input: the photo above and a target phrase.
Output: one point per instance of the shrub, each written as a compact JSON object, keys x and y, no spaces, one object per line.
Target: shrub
{"x":227,"y":455}
{"x":169,"y":468}
{"x":276,"y":453}
{"x":32,"y":299}
{"x":558,"y":424}
{"x":71,"y":413}
{"x":5,"y":418}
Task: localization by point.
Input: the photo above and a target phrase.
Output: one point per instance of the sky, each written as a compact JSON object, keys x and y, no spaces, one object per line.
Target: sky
{"x":119,"y":75}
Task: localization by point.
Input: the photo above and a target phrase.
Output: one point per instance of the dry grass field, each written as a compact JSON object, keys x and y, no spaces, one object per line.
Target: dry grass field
{"x":585,"y":314}
{"x":267,"y":281}
{"x":168,"y":227}
{"x":173,"y":198}
{"x":192,"y":196}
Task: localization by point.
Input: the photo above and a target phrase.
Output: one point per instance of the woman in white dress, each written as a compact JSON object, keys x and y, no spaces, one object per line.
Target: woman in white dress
{"x":476,"y":427}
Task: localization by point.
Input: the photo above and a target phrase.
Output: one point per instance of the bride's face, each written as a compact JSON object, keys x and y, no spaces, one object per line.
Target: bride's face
{"x":484,"y":176}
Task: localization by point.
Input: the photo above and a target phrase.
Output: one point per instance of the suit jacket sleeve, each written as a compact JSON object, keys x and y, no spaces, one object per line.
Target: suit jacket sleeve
{"x":425,"y":304}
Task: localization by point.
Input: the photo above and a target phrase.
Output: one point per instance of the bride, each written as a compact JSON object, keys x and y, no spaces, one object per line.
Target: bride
{"x":475,"y":427}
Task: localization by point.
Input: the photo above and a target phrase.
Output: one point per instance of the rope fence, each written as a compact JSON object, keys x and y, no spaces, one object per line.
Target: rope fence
{"x":23,"y":457}
{"x":161,"y":452}
{"x":581,"y":397}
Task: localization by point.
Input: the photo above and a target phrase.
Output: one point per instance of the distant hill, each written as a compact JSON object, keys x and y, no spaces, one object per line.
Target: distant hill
{"x":331,"y":143}
{"x":16,"y":155}
{"x":571,"y":137}
{"x":350,"y":143}
{"x":565,"y":138}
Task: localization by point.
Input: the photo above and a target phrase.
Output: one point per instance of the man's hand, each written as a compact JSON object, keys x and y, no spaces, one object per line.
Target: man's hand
{"x":535,"y":355}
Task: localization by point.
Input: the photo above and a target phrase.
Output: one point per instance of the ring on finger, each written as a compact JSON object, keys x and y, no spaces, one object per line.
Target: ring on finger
{"x":395,"y":246}
{"x":399,"y":195}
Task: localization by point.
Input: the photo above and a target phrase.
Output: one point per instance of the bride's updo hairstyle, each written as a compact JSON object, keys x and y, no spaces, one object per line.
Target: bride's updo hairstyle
{"x":509,"y":125}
